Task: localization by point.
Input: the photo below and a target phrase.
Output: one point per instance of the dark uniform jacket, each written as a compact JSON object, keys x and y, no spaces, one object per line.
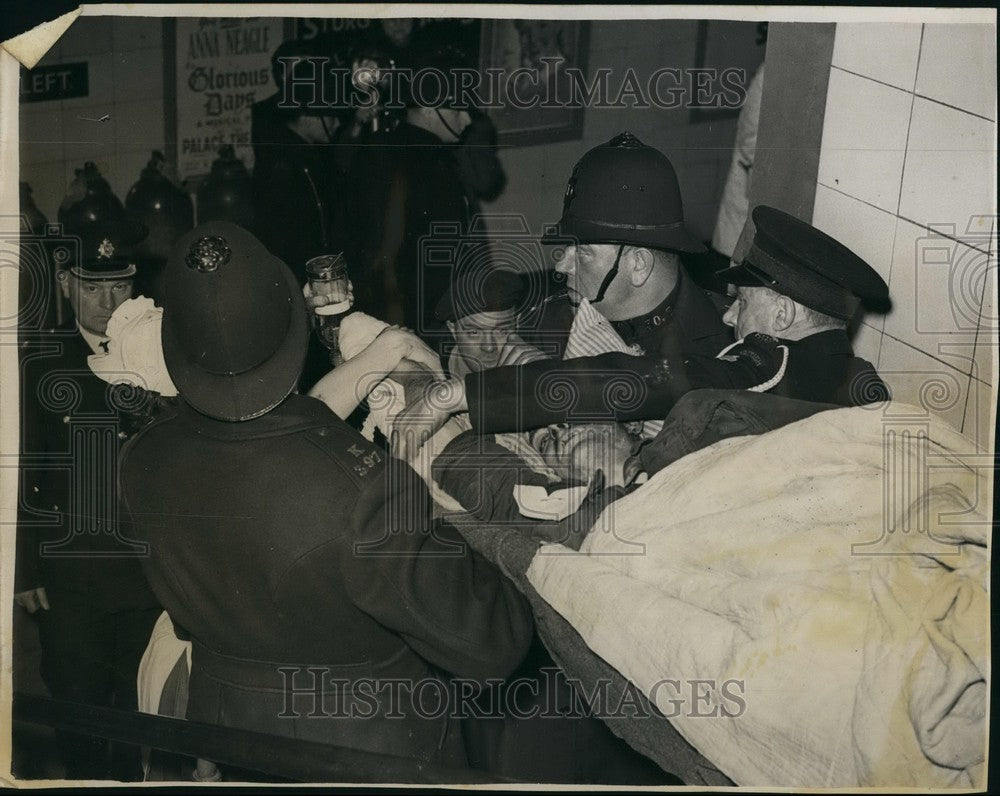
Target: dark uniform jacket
{"x":604,"y":387}
{"x":69,"y":539}
{"x":290,"y":543}
{"x":820,"y":368}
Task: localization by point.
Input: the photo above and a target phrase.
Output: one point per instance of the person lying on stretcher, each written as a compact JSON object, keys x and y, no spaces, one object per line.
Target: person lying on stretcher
{"x":551,"y":484}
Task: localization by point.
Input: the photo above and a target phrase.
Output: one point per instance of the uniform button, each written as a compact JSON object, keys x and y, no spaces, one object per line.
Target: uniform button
{"x":322,"y":432}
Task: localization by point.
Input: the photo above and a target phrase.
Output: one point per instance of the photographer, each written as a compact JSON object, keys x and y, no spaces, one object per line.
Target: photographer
{"x":426,"y":175}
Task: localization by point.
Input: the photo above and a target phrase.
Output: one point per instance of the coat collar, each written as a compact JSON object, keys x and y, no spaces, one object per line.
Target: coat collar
{"x":822,"y":344}
{"x":296,"y":413}
{"x":685,"y":308}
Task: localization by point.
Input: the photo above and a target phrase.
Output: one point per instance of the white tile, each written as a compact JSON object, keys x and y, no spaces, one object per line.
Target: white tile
{"x":864,"y":139}
{"x":866,"y":342}
{"x":950,"y":169}
{"x":137,"y":33}
{"x":935,"y":292}
{"x":138,"y":75}
{"x":865,"y":230}
{"x":979,"y":411}
{"x":988,"y":339}
{"x":958,"y":66}
{"x":86,"y":36}
{"x":920,"y":380}
{"x":885,"y":51}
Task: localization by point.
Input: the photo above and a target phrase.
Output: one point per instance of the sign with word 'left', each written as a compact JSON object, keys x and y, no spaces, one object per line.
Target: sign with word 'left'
{"x":56,"y":82}
{"x":223,"y":67}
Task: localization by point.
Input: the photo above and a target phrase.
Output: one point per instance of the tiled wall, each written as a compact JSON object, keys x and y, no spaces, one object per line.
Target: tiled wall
{"x":907,"y":179}
{"x":700,"y":152}
{"x":125,"y":71}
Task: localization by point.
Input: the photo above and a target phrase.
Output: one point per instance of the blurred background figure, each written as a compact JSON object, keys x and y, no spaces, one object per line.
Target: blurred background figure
{"x":296,"y":180}
{"x":735,"y":205}
{"x":422,"y":181}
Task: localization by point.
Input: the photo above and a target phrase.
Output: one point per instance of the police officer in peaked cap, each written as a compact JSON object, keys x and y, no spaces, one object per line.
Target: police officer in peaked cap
{"x":794,"y":295}
{"x":76,"y":570}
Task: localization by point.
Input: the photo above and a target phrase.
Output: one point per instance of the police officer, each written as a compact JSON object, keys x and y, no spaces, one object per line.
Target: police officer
{"x":795,"y":292}
{"x":76,"y":571}
{"x":298,"y":557}
{"x":624,"y":236}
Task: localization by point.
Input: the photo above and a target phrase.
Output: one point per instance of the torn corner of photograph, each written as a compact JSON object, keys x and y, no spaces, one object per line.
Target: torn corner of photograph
{"x":31,"y":46}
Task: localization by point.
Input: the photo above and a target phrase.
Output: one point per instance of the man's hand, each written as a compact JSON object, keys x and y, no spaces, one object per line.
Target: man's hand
{"x":404,"y":343}
{"x":317,"y":300}
{"x":32,"y":599}
{"x":518,"y":352}
{"x":421,"y":418}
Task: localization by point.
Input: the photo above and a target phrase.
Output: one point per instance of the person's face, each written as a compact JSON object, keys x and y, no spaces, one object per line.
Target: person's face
{"x":480,"y":338}
{"x":585,"y":266}
{"x":578,"y":451}
{"x":398,"y":31}
{"x":752,"y":310}
{"x":94,"y":300}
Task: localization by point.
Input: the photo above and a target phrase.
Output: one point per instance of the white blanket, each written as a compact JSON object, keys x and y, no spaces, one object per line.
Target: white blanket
{"x":844,"y":655}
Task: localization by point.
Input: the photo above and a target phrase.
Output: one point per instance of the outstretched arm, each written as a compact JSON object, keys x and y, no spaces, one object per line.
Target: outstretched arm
{"x":344,"y":387}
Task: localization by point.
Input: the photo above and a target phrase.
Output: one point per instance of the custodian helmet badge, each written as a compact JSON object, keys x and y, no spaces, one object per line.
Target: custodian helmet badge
{"x":208,"y":253}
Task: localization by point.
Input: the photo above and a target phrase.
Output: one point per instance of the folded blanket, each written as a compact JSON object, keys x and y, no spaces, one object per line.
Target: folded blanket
{"x":839,"y":637}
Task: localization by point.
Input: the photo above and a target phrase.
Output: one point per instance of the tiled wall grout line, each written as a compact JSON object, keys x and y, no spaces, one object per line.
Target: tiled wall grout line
{"x":869,"y":77}
{"x":953,"y":107}
{"x":935,"y":357}
{"x":920,"y":52}
{"x":906,"y":145}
